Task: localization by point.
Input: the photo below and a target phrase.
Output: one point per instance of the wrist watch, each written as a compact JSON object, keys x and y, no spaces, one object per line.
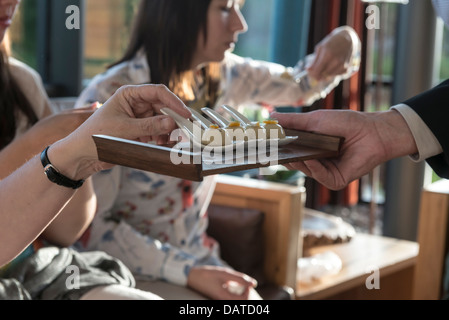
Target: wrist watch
{"x":55,"y":176}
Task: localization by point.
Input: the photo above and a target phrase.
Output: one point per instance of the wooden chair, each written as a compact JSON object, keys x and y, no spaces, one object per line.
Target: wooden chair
{"x":433,"y":234}
{"x":282,"y":206}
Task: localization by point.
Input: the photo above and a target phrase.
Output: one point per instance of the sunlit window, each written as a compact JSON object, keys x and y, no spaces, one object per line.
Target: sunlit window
{"x":255,"y":43}
{"x":379,"y":74}
{"x":107,"y":28}
{"x":380,"y":60}
{"x":443,"y":75}
{"x":444,"y":72}
{"x":23,"y":33}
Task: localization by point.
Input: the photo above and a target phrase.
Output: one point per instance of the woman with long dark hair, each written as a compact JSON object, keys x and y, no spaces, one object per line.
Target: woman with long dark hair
{"x":157,"y":224}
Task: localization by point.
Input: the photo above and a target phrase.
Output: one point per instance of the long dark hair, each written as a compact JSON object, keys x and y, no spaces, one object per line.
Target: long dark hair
{"x":168,"y":32}
{"x":12,"y":101}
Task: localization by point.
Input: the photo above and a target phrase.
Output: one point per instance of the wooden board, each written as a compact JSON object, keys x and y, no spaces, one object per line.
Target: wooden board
{"x":158,"y":159}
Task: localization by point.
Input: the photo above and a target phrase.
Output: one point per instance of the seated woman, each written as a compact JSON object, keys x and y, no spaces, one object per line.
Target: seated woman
{"x":39,"y":219}
{"x":157,"y":224}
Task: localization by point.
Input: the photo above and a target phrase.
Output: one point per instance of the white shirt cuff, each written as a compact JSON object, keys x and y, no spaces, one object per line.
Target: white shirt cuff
{"x":427,"y":143}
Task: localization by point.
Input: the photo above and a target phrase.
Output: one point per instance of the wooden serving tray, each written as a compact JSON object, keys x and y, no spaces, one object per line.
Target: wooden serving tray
{"x":153,"y":158}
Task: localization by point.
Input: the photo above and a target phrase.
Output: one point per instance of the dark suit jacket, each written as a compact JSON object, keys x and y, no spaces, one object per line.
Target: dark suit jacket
{"x":433,"y":107}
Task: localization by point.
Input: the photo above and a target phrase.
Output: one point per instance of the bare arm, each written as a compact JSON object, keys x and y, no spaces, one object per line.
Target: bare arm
{"x":74,"y":218}
{"x":78,"y":213}
{"x":29,"y":202}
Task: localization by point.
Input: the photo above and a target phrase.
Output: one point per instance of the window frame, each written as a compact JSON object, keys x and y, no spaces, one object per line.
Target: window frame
{"x":61,"y":73}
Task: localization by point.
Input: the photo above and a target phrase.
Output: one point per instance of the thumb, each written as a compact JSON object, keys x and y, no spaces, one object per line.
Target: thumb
{"x":288,"y":120}
{"x":242,"y":279}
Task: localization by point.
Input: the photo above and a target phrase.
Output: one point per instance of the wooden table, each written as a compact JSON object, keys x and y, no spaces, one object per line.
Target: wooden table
{"x":394,"y":259}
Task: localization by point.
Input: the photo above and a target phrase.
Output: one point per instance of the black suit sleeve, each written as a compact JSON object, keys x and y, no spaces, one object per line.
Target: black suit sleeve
{"x":433,"y":108}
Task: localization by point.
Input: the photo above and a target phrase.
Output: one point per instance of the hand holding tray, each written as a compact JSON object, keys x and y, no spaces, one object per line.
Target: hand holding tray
{"x":194,"y":160}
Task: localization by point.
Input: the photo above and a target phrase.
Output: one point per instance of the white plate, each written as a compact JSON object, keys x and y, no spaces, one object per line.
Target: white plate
{"x":243,"y":144}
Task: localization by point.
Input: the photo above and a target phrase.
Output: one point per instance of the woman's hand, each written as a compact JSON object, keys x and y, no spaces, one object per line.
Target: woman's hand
{"x":133,"y":112}
{"x":334,"y":54}
{"x":221,"y":283}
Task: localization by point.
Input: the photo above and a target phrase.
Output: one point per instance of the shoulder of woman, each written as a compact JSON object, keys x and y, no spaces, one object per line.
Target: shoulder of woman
{"x":32,"y":86}
{"x":20,"y":70}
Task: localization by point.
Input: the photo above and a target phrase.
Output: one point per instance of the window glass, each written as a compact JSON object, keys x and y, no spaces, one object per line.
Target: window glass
{"x":380,"y":61}
{"x":379,"y":76}
{"x":444,"y":72}
{"x":443,"y":75}
{"x":255,"y":43}
{"x":23,"y":33}
{"x":107,"y":28}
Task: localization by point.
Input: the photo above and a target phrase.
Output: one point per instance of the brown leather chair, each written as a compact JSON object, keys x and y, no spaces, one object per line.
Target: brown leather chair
{"x":258,"y":224}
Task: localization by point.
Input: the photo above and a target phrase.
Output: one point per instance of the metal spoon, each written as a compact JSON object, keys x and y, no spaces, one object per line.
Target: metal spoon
{"x":237,"y":115}
{"x":222,"y":121}
{"x":202,"y":120}
{"x":188,"y":127}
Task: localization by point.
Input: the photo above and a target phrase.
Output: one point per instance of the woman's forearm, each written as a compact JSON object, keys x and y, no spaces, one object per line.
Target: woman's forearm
{"x":24,"y":217}
{"x":74,"y":219}
{"x":78,"y":213}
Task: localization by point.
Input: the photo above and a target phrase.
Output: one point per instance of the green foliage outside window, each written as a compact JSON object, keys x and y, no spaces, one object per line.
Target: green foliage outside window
{"x":23,"y":33}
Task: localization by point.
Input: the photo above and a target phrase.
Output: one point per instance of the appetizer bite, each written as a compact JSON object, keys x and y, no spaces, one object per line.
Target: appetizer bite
{"x":255,"y":131}
{"x":235,"y":131}
{"x":214,"y":136}
{"x":274,"y":130}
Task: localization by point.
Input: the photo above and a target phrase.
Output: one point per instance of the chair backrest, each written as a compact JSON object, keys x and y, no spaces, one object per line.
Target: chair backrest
{"x":282,"y":206}
{"x":433,"y":241}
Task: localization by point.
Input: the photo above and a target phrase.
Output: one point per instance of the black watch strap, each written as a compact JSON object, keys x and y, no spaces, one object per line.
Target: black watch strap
{"x":55,"y":176}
